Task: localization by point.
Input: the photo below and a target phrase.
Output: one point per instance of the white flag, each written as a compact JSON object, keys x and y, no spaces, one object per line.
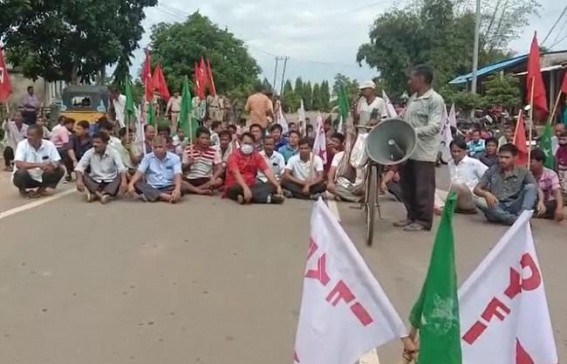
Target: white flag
{"x":344,"y":311}
{"x":320,"y":143}
{"x":452,"y":116}
{"x":280,"y":119}
{"x":302,"y":122}
{"x":503,"y":307}
{"x":390,"y":109}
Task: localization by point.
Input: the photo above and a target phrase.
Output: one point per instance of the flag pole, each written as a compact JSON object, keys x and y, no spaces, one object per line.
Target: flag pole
{"x":555,"y":106}
{"x":531,"y":123}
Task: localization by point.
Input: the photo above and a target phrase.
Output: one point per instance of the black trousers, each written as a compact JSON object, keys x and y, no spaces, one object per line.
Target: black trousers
{"x":8,"y":156}
{"x":261,"y":192}
{"x":417,"y":181}
{"x":30,"y":117}
{"x":297,"y":190}
{"x":23,"y":180}
{"x":66,"y":160}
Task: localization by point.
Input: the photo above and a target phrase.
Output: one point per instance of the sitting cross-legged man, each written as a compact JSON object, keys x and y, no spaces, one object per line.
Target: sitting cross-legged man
{"x":37,"y":164}
{"x":303,"y":175}
{"x":242,"y":168}
{"x":203,"y":165}
{"x":107,"y":173}
{"x":162,"y":172}
{"x":506,"y":189}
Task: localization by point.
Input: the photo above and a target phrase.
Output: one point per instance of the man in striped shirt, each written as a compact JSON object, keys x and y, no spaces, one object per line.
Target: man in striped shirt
{"x":202,"y":165}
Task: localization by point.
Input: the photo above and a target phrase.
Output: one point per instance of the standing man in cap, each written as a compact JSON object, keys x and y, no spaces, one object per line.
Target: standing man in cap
{"x":424,"y":113}
{"x":370,"y":108}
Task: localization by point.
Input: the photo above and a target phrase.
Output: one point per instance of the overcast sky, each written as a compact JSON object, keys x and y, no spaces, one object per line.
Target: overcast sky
{"x":320,"y":37}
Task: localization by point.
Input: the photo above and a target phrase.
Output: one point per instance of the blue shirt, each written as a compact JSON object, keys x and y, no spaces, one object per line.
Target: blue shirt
{"x":288,"y":152}
{"x":160,"y":173}
{"x":475,"y":148}
{"x":280,"y":143}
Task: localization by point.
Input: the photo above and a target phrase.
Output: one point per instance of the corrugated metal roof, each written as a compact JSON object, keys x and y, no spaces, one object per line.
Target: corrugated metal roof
{"x":495,"y":67}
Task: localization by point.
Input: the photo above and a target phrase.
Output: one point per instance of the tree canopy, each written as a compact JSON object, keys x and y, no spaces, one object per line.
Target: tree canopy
{"x":439,"y":33}
{"x":71,"y":40}
{"x":177,"y":46}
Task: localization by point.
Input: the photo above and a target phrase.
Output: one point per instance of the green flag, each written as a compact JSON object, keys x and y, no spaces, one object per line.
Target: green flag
{"x":343,"y":103}
{"x":150,"y":114}
{"x":186,"y":122}
{"x":436,"y":312}
{"x":545,"y":145}
{"x":129,"y":109}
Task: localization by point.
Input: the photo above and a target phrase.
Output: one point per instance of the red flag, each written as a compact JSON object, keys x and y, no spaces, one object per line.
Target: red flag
{"x":158,"y":81}
{"x":211,"y":79}
{"x":5,"y":86}
{"x":520,"y":140}
{"x":146,"y":77}
{"x":534,"y":80}
{"x":203,"y":77}
{"x":199,"y":87}
{"x":564,"y":84}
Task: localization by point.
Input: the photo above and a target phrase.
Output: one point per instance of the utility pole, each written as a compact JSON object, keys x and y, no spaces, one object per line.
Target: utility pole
{"x":475,"y":49}
{"x":283,"y":74}
{"x":278,"y":59}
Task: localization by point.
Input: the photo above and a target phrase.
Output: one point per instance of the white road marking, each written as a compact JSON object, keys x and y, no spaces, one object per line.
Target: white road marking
{"x":334,"y":209}
{"x":370,"y":358}
{"x":34,"y":204}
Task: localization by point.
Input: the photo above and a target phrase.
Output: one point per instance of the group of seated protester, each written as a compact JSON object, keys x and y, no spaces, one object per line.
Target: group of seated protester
{"x":504,"y":190}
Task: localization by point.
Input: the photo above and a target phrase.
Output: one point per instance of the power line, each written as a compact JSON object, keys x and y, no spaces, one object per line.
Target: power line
{"x":555,"y":24}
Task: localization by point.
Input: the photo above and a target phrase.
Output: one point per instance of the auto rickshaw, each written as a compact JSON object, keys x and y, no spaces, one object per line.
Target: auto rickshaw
{"x":82,"y":102}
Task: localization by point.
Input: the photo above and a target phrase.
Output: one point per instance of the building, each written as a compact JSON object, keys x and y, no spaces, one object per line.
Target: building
{"x":553,"y":68}
{"x":45,"y":91}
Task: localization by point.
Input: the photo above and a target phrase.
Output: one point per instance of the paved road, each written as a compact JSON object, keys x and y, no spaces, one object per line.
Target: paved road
{"x":205,"y":281}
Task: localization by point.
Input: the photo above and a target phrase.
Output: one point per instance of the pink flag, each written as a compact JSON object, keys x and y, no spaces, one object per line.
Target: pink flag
{"x":344,"y":311}
{"x":503,"y":307}
{"x":320,"y":144}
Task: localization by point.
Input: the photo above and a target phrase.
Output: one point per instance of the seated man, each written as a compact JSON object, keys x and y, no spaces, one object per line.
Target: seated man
{"x":37,"y":164}
{"x":241,"y":170}
{"x":391,"y":182}
{"x":548,"y":182}
{"x":507,"y":189}
{"x":476,"y":145}
{"x":274,"y":160}
{"x":202,"y":164}
{"x":342,"y":179}
{"x":107,"y":172}
{"x":303,"y":176}
{"x":464,"y":174}
{"x":126,"y":151}
{"x":290,"y":149}
{"x":79,"y":142}
{"x":60,"y":138}
{"x":490,"y":155}
{"x":162,"y":172}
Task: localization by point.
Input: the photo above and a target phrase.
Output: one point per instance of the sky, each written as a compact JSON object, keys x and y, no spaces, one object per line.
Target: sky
{"x":320,"y":37}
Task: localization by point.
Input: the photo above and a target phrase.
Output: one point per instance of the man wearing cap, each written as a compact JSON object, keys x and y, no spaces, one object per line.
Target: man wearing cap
{"x":370,"y":108}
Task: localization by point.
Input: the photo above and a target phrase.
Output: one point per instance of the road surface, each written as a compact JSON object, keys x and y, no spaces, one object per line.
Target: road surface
{"x":205,"y":281}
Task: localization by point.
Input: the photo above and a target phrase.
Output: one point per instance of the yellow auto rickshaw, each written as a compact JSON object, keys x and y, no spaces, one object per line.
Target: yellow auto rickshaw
{"x":83,"y":102}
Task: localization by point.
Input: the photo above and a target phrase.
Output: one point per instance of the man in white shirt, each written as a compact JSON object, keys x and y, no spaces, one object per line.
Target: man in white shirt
{"x":370,"y":108}
{"x":37,"y":164}
{"x":14,"y":132}
{"x":274,"y":160}
{"x":464,"y":172}
{"x":343,"y":181}
{"x":119,"y":104}
{"x":173,"y":108}
{"x":107,"y":172}
{"x":303,"y":175}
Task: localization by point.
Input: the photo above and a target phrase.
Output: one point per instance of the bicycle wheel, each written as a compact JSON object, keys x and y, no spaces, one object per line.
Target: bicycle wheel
{"x":372,"y":195}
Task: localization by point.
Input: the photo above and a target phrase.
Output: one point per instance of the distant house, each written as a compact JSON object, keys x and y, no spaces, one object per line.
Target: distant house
{"x":553,"y":68}
{"x":45,"y":91}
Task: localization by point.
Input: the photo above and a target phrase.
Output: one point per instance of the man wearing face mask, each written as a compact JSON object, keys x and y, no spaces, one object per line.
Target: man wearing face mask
{"x":241,"y":170}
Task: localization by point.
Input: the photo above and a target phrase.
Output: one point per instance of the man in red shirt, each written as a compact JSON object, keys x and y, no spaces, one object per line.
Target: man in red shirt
{"x":241,"y":170}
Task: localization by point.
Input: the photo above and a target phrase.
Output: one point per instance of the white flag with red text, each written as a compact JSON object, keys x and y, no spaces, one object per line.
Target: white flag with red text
{"x":503,"y":306}
{"x":344,"y":310}
{"x":320,"y":143}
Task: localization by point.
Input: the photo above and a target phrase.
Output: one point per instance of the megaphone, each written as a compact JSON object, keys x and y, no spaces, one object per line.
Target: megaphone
{"x":391,"y":142}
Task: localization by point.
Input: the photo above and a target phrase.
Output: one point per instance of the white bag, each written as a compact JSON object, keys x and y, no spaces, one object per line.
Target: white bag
{"x":358,"y":156}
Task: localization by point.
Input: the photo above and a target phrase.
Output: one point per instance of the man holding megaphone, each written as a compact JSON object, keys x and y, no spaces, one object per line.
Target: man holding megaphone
{"x":424,"y":113}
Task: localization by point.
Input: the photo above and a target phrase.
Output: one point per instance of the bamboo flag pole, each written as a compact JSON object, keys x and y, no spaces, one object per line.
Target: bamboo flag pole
{"x":531,"y":121}
{"x":555,"y":106}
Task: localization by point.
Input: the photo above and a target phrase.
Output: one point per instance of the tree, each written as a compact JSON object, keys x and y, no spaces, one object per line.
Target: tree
{"x":71,"y":39}
{"x":325,"y":95}
{"x":351,"y":87}
{"x":177,"y":46}
{"x":290,"y":99}
{"x":317,"y":102}
{"x":502,"y":90}
{"x":307,"y":95}
{"x":435,"y":32}
{"x":298,"y":89}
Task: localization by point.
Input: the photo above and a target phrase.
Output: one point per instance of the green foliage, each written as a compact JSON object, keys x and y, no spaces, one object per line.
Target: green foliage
{"x":307,"y":95}
{"x":435,"y":33}
{"x":317,"y":103}
{"x":70,"y":40}
{"x":325,"y":96}
{"x":351,"y":88}
{"x":177,"y":46}
{"x":502,"y":90}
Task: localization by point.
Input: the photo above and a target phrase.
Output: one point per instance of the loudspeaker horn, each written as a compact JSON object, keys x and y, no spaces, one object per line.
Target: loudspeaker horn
{"x":391,"y":142}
